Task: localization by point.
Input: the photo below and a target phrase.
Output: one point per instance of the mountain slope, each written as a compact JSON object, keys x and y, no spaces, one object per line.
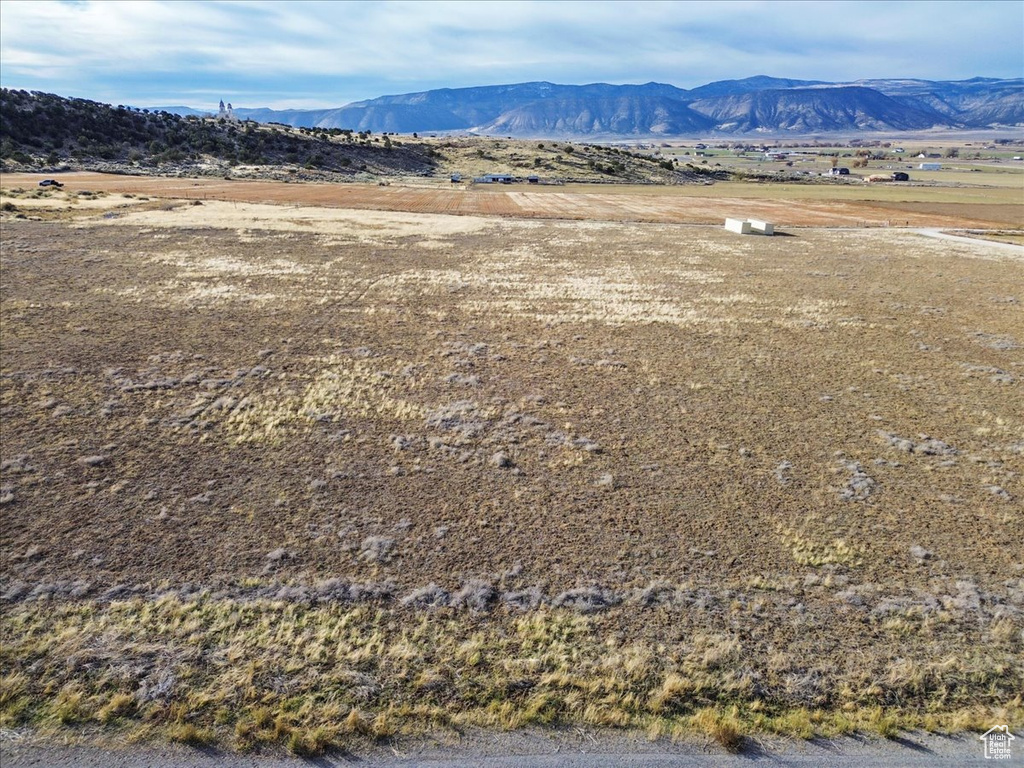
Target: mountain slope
{"x":624,"y":115}
{"x":978,"y":102}
{"x":747,"y":85}
{"x":537,"y":108}
{"x":815,"y":109}
{"x":762,"y":104}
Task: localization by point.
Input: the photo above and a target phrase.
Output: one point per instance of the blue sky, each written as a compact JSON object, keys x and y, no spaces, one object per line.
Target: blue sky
{"x":326,"y":54}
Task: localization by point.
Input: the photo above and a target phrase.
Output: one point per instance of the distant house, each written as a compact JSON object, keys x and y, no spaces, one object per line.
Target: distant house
{"x":838,"y":171}
{"x":929,"y":166}
{"x":900,"y":176}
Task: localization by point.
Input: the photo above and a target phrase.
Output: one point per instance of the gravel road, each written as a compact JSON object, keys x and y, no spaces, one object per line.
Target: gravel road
{"x":533,"y":749}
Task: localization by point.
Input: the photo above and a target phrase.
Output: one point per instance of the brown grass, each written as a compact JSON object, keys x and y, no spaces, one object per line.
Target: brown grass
{"x":249,"y":489}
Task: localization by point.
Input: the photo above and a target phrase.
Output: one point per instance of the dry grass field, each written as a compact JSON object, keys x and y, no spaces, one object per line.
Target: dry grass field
{"x":302,"y":474}
{"x":793,"y":205}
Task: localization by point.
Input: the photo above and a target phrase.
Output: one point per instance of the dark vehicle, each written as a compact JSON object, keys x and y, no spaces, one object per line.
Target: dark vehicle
{"x":50,"y":183}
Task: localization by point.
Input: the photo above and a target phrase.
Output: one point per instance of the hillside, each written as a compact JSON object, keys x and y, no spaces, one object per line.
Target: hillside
{"x":45,"y":130}
{"x":755,"y":104}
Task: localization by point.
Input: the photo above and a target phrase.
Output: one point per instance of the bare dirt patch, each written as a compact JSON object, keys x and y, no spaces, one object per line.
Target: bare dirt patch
{"x":257,"y":218}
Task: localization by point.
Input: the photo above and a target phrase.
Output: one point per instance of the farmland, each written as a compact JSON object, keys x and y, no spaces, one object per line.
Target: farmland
{"x":314,"y":464}
{"x":790,"y":204}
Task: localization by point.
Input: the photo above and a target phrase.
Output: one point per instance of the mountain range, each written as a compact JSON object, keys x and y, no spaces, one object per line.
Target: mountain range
{"x":761,"y":105}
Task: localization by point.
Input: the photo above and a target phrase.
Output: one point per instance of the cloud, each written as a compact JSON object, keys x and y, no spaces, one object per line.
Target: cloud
{"x":325,"y":54}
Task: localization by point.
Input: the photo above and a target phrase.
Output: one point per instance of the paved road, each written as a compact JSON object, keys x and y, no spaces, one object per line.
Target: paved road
{"x":538,"y":749}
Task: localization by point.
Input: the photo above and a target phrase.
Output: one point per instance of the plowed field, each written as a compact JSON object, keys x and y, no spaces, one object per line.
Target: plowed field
{"x":825,"y":206}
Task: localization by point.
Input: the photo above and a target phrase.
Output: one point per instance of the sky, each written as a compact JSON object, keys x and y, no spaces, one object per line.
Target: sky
{"x":326,"y":54}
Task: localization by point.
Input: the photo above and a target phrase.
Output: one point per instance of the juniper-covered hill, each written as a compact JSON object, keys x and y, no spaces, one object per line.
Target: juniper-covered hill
{"x":40,"y":130}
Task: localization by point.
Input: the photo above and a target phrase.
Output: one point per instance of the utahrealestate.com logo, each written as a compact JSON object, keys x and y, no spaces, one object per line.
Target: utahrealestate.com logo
{"x":997,"y":742}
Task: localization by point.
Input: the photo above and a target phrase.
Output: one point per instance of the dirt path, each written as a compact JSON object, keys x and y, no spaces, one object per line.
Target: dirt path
{"x":975,"y":241}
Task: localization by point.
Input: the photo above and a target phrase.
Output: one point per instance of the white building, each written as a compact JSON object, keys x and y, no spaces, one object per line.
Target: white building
{"x":228,"y":112}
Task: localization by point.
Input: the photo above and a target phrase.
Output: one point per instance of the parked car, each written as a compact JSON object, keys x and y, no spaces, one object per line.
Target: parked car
{"x":50,"y":183}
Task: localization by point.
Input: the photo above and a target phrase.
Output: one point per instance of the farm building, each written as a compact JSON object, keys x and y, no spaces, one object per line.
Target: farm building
{"x":929,"y":166}
{"x":494,"y":178}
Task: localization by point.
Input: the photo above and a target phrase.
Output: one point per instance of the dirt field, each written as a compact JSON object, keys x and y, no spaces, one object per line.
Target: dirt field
{"x":816,"y":206}
{"x":296,"y":474}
